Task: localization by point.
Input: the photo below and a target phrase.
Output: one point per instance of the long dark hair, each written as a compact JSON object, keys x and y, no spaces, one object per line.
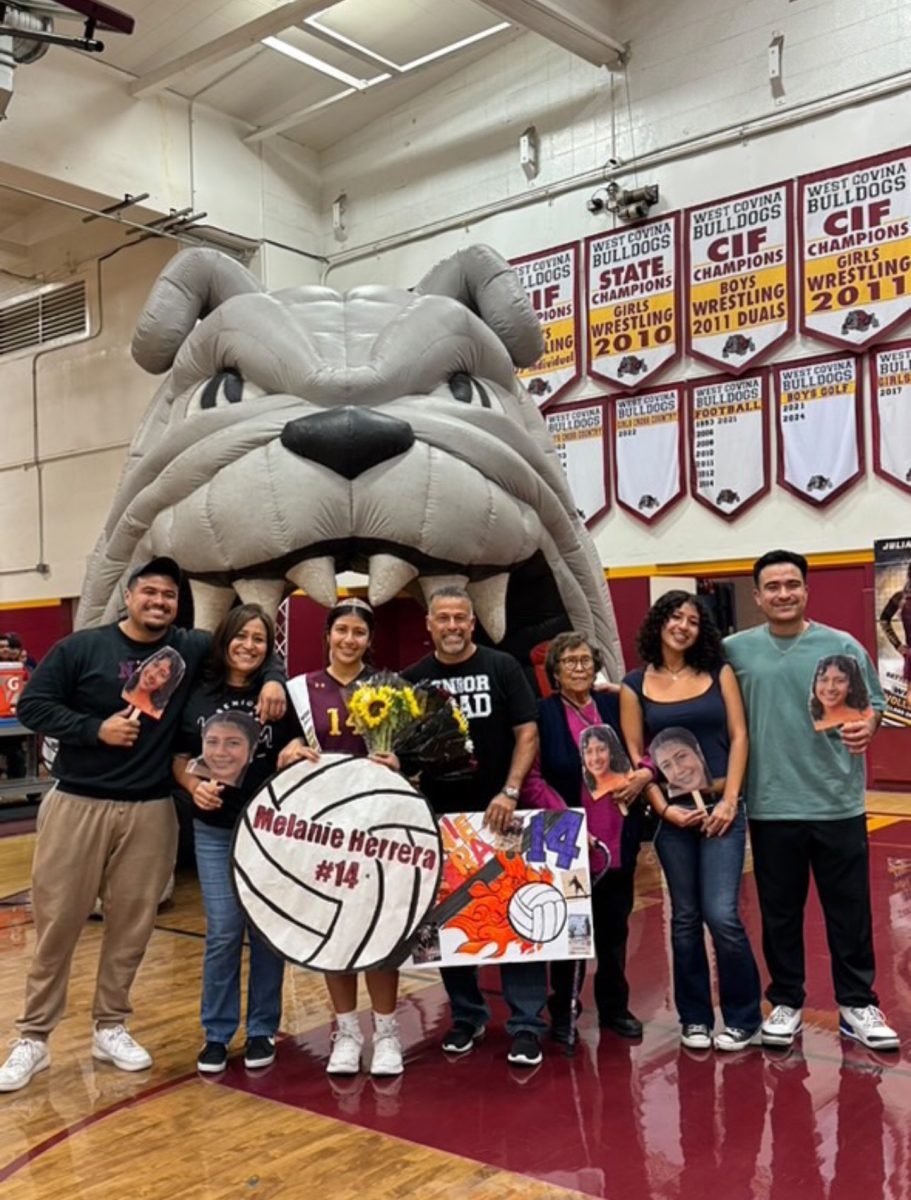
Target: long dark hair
{"x":705,"y":654}
{"x":350,"y":606}
{"x":215,"y":674}
{"x":858,"y":696}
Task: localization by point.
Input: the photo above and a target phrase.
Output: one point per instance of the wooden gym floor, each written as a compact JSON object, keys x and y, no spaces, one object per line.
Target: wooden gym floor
{"x":627,"y":1121}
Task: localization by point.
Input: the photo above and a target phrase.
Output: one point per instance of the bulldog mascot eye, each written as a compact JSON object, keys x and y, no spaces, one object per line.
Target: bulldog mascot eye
{"x":305,"y":432}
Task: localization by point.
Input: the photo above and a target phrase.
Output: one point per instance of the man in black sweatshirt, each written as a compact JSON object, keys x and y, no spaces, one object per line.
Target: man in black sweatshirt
{"x":108,"y":828}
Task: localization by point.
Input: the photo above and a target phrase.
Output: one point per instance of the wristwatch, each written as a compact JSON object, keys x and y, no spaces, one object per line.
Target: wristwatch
{"x":511,"y":793}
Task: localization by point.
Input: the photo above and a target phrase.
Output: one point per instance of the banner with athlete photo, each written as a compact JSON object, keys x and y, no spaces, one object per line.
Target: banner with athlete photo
{"x":648,"y":451}
{"x":551,"y":281}
{"x":855,"y":249}
{"x":820,"y":427}
{"x":632,"y":301}
{"x":728,"y":428}
{"x":891,"y":366}
{"x":579,"y":432}
{"x":739,"y":255}
{"x":520,"y":896}
{"x":892,"y":600}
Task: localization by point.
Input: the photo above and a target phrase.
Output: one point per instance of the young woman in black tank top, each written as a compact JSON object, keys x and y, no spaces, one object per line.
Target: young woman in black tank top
{"x":685,"y":700}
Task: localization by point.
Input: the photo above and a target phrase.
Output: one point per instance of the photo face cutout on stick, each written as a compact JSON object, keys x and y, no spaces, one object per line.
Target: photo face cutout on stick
{"x":839,"y":692}
{"x":228,"y":745}
{"x":153,"y":683}
{"x":605,"y":764}
{"x":678,"y":756}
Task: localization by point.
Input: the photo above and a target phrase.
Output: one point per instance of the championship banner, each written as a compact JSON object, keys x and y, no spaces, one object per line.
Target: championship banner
{"x":337,"y":862}
{"x":892,"y":600}
{"x":739,"y":255}
{"x":892,"y":413}
{"x":579,"y":432}
{"x":820,"y":427}
{"x":632,"y":302}
{"x":551,"y":281}
{"x":729,"y":442}
{"x":855,"y":249}
{"x":521,"y":896}
{"x":648,"y":451}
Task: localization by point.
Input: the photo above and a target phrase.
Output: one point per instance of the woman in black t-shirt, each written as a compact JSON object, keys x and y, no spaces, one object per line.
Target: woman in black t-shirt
{"x":241,"y":646}
{"x":685,"y":706}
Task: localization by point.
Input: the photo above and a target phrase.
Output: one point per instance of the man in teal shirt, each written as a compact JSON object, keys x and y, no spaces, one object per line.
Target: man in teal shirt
{"x":813,"y":702}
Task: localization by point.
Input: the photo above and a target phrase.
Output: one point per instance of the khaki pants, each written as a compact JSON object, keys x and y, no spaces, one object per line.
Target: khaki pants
{"x":118,"y":850}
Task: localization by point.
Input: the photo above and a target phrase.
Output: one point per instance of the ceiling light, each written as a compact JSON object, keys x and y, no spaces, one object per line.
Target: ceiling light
{"x":310,"y":60}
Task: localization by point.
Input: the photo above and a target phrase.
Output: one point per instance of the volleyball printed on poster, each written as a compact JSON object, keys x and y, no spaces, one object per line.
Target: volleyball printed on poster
{"x":892,"y":608}
{"x":739,"y":254}
{"x":579,"y":433}
{"x":337,"y":862}
{"x":632,"y":302}
{"x":729,"y":442}
{"x":820,"y":431}
{"x":891,"y":406}
{"x":551,"y":282}
{"x":648,"y":451}
{"x":519,"y":896}
{"x":855,"y":249}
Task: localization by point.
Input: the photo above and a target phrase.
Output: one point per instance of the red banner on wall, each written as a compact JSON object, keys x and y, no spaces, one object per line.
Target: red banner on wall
{"x":632,"y":301}
{"x":729,"y":442}
{"x":739,"y":254}
{"x":820,"y":427}
{"x":855,"y":249}
{"x":551,"y":280}
{"x":648,"y":451}
{"x":891,"y":367}
{"x":580,"y":435}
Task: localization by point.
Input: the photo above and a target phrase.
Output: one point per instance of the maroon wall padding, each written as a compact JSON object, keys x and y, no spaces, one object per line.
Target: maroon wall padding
{"x":400,"y":639}
{"x":39,"y":628}
{"x":631,"y":602}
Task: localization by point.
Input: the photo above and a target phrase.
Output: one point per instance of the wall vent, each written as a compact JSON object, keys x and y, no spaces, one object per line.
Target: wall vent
{"x":47,"y":316}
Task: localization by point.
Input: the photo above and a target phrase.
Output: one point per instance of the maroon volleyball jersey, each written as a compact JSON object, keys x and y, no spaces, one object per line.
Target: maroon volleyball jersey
{"x":329,"y":707}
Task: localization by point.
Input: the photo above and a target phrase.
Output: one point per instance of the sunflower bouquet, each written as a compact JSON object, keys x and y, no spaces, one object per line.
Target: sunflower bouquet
{"x":380,"y":708}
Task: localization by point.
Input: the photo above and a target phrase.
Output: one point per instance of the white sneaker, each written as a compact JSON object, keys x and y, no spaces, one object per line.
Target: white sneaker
{"x":387,"y":1054}
{"x":696,"y":1037}
{"x":114,"y":1045}
{"x":27,"y":1057}
{"x":782,"y":1025}
{"x":345,"y":1058}
{"x":733,"y":1039}
{"x":868,"y":1025}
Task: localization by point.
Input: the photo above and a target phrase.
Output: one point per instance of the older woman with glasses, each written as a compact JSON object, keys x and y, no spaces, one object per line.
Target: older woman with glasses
{"x":556,"y":781}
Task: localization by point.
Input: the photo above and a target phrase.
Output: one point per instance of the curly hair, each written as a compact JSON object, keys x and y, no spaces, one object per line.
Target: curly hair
{"x":858,"y":696}
{"x":705,"y":654}
{"x":558,"y":647}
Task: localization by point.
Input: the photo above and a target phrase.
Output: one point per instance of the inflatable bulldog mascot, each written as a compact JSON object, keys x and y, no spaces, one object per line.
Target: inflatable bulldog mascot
{"x":304,"y":432}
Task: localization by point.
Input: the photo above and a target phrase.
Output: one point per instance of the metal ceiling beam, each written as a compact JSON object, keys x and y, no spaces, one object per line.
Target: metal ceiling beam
{"x":230,"y":43}
{"x":580,"y":26}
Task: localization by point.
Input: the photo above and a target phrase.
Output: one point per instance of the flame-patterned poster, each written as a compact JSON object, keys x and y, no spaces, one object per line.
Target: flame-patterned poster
{"x":519,"y":896}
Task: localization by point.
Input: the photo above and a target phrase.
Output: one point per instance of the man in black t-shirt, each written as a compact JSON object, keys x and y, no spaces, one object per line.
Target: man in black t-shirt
{"x":498,"y":703}
{"x":108,"y":827}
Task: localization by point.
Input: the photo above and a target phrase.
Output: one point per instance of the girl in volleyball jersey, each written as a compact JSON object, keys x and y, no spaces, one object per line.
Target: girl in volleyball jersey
{"x":319,"y":698}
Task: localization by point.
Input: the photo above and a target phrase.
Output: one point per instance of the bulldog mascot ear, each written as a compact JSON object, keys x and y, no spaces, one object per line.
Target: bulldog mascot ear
{"x":304,"y":432}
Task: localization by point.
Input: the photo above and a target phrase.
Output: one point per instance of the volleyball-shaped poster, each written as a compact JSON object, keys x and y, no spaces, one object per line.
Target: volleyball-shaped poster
{"x":336,"y":863}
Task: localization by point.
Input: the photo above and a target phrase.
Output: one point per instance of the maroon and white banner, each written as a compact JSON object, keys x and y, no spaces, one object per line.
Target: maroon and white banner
{"x":855,"y":249}
{"x":551,"y":280}
{"x":891,"y":367}
{"x":632,"y":301}
{"x":820,"y":427}
{"x":729,"y":442}
{"x":648,"y":451}
{"x":579,"y":432}
{"x":739,"y":255}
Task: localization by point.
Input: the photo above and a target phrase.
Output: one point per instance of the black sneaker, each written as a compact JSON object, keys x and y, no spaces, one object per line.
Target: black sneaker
{"x":462,"y":1038}
{"x":213,"y":1057}
{"x":259,"y":1052}
{"x":525,"y":1051}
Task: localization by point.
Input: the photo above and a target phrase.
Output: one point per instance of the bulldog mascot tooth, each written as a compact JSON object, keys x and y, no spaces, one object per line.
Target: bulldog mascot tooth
{"x":304,"y":432}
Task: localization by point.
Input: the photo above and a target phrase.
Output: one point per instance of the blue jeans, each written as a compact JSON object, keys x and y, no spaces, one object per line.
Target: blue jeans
{"x":524,"y":990}
{"x":226,"y":923}
{"x":703,"y":877}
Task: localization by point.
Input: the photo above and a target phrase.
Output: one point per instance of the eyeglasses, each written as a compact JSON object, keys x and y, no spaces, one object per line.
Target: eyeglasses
{"x":578,"y":664}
